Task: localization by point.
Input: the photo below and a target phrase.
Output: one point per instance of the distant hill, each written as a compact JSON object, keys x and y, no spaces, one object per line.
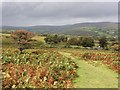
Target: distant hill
{"x":92,"y":29}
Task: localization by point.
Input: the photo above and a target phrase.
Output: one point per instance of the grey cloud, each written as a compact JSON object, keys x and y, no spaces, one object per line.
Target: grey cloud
{"x":56,"y":13}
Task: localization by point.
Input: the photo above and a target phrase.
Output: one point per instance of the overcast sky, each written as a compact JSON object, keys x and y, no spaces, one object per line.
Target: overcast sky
{"x":59,"y":13}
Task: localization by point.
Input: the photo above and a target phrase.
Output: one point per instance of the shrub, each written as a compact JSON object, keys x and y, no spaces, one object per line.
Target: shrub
{"x":22,"y":38}
{"x":37,"y":69}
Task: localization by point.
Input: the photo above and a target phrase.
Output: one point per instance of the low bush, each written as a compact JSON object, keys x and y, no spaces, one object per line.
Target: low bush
{"x":37,"y":69}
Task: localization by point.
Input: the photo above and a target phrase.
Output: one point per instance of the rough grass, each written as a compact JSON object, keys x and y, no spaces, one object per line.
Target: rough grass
{"x":6,"y":41}
{"x":39,"y":38}
{"x":94,"y":77}
{"x":4,"y":34}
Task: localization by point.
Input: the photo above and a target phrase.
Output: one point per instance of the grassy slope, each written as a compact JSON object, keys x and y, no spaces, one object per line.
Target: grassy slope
{"x":4,"y":34}
{"x":39,"y":38}
{"x":6,"y":41}
{"x":94,"y":77}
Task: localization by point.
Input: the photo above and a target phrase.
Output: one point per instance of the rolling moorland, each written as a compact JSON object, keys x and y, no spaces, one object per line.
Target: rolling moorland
{"x":59,"y":65}
{"x":81,"y":29}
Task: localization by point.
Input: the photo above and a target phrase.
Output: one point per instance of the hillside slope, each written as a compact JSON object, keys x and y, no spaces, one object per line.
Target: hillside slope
{"x":93,"y":28}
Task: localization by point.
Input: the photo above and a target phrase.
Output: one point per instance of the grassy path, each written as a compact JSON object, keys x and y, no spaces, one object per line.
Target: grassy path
{"x":93,"y":77}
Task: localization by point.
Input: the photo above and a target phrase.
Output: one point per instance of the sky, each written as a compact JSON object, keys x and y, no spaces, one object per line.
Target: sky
{"x":59,"y":0}
{"x":57,"y":13}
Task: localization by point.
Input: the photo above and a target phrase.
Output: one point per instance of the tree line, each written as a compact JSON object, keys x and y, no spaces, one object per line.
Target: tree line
{"x":22,"y":38}
{"x":85,"y":41}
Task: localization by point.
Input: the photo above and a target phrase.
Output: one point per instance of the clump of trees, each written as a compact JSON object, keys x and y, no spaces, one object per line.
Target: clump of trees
{"x":79,"y":41}
{"x":87,"y":42}
{"x":73,"y":41}
{"x":103,"y":42}
{"x":22,"y":38}
{"x":55,"y":39}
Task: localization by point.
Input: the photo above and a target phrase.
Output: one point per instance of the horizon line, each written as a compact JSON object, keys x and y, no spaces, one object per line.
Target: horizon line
{"x":57,"y":24}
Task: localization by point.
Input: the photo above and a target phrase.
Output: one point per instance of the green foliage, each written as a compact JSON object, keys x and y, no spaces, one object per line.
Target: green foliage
{"x":103,"y":42}
{"x":73,"y":41}
{"x":87,"y":42}
{"x":55,"y":39}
